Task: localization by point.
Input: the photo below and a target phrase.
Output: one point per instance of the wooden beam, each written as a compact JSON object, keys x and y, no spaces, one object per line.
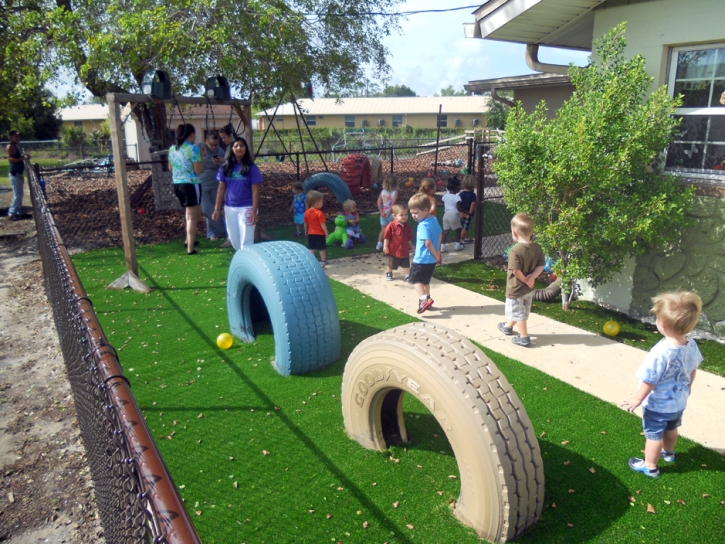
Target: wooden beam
{"x":146,"y":98}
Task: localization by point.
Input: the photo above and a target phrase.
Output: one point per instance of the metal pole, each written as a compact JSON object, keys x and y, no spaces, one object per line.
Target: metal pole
{"x":479,"y":206}
{"x":392,"y":161}
{"x":298,"y":167}
{"x":438,"y":139}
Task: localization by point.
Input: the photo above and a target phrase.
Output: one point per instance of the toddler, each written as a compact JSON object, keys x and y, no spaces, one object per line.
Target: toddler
{"x":526,"y":263}
{"x":315,"y":226}
{"x":398,"y":243}
{"x":451,"y":216}
{"x":298,"y":206}
{"x":353,"y":221}
{"x":468,"y":204}
{"x":428,"y":188}
{"x":666,"y":377}
{"x":426,"y":256}
{"x":388,"y":197}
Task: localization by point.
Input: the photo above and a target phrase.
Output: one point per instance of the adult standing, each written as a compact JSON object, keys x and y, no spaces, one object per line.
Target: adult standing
{"x":17,"y":159}
{"x":185,"y":164}
{"x":239,"y":181}
{"x":213,"y":159}
{"x":227,"y":136}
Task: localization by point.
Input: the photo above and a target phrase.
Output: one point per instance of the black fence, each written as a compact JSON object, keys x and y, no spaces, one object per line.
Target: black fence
{"x":137,"y":500}
{"x":493,"y":226}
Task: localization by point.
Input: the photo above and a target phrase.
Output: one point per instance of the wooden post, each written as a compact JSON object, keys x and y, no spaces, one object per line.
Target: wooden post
{"x":130,"y":277}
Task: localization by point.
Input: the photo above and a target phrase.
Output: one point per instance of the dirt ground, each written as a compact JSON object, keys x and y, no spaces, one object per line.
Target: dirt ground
{"x":47,"y":491}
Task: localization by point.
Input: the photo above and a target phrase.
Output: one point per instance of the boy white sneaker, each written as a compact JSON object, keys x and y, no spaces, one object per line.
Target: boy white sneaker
{"x":458,"y":247}
{"x":379,"y":246}
{"x":443,"y":248}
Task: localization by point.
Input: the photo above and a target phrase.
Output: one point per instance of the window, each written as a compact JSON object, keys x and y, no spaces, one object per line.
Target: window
{"x":397,"y":120}
{"x":78,"y":124}
{"x":698,"y":74}
{"x":443,"y":121}
{"x":311,"y":120}
{"x":350,"y":121}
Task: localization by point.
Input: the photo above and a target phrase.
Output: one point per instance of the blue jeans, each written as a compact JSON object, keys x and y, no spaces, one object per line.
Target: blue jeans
{"x":217,"y":229}
{"x":654,"y":424}
{"x":16,"y":180}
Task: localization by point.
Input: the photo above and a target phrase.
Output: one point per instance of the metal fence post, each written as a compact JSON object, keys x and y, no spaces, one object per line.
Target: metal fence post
{"x":298,"y":166}
{"x":392,"y":159}
{"x":480,"y":197}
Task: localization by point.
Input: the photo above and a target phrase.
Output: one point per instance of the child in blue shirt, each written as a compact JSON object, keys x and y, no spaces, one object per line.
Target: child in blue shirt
{"x":666,"y":377}
{"x":427,"y":249}
{"x":299,"y":206}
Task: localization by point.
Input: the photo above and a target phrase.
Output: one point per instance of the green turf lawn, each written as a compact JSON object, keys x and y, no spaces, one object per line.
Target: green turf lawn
{"x":214,"y":412}
{"x":589,"y":316}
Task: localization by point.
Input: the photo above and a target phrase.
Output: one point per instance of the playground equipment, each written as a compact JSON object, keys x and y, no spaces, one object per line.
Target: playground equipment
{"x":502,"y":474}
{"x":355,"y":171}
{"x":284,"y":279}
{"x":329,"y":181}
{"x":339,"y":235}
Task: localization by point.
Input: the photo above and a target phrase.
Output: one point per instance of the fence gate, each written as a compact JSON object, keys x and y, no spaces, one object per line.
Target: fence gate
{"x":493,"y":227}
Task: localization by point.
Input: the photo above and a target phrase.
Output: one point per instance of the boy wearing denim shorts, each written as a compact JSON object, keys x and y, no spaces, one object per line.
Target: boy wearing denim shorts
{"x":427,"y":249}
{"x":525,"y":264}
{"x":666,"y":377}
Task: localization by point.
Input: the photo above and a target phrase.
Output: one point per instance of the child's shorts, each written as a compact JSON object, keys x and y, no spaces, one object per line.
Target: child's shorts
{"x":386,"y":220}
{"x":466,"y":223}
{"x":421,"y":273}
{"x":299,"y":219}
{"x":394,"y":262}
{"x":654,"y":424}
{"x":316,"y":241}
{"x":451,"y":221}
{"x":518,"y":309}
{"x":189,"y":194}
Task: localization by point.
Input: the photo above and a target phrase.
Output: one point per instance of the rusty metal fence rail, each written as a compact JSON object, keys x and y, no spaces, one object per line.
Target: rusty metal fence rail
{"x":137,"y":500}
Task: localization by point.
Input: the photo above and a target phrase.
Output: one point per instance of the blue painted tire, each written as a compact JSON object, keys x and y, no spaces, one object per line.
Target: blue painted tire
{"x":329,"y":181}
{"x":298,"y":299}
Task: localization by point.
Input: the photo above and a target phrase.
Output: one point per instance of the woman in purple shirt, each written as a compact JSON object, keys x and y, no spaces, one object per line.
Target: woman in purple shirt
{"x":239,"y":180}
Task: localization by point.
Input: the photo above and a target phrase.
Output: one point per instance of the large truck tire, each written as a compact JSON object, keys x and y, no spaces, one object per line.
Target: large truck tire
{"x":298,"y":300}
{"x":548,"y":294}
{"x":329,"y":181}
{"x":498,"y":456}
{"x":355,"y":172}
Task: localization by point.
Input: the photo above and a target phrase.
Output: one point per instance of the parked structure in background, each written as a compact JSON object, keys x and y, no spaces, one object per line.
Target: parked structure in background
{"x":462,"y":112}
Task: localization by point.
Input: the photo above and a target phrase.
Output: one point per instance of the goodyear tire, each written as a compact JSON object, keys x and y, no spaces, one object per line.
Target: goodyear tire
{"x":502,"y":475}
{"x":376,"y":171}
{"x":297,"y":297}
{"x":329,"y":181}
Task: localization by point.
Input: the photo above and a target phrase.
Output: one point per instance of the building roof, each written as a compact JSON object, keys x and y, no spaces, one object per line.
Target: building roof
{"x":516,"y":82}
{"x":84,"y":112}
{"x":386,"y":106}
{"x":555,"y":23}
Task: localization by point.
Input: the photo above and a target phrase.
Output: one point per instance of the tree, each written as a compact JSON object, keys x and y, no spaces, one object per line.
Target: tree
{"x":497,"y":112}
{"x":449,"y":91}
{"x":592,"y":177}
{"x":263,"y":47}
{"x":397,"y":90}
{"x":33,"y":114}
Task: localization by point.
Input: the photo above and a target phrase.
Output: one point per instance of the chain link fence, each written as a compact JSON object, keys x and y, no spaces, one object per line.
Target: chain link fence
{"x":137,"y":500}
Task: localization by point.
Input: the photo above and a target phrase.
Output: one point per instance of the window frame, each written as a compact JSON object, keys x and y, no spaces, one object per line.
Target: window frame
{"x":699,"y":173}
{"x":349,"y":119}
{"x":397,"y":121}
{"x":442,"y":120}
{"x":311,"y":120}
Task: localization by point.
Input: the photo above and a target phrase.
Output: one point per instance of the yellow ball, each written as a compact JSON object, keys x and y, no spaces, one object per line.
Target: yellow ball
{"x":224,"y":340}
{"x":611,"y":328}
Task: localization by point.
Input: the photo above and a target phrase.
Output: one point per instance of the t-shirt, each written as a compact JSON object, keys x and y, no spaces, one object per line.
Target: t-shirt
{"x":524,"y":257}
{"x":467,"y":198}
{"x":386,"y":201}
{"x":428,"y":229}
{"x":353,"y":229}
{"x":208,"y":176}
{"x":182,"y":163}
{"x":668,"y":368}
{"x":17,"y":167}
{"x":239,"y":186}
{"x":314,"y":218}
{"x":298,"y":203}
{"x":398,"y":235}
{"x":449,"y":202}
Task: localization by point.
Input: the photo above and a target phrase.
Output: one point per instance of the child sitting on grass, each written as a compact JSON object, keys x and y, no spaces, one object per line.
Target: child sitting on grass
{"x":388,"y":197}
{"x":427,"y":255}
{"x":352,"y":229}
{"x":666,"y":377}
{"x":397,"y":243}
{"x":298,"y":207}
{"x":468,"y":204}
{"x":525,"y":264}
{"x":315,"y":226}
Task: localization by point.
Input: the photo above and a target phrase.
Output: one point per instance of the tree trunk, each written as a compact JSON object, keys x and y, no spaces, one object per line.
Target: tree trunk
{"x":153,"y":120}
{"x":567,"y":294}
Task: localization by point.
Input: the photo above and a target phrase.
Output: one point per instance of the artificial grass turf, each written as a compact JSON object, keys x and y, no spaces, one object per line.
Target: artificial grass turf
{"x":166,"y":345}
{"x":586,"y":315}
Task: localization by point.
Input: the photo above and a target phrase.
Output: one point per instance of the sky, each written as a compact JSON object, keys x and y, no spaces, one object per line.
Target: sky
{"x":432,"y":52}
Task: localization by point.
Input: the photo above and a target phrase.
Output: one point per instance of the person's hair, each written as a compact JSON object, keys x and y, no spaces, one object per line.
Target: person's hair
{"x":678,"y":311}
{"x":212,"y":135}
{"x":453,"y":185}
{"x":390,"y":182}
{"x":469,"y":182}
{"x":348,"y":205}
{"x":427,"y":186}
{"x":522,"y":224}
{"x":183,"y":131}
{"x":14,"y":133}
{"x":313,"y":197}
{"x":230,"y":159}
{"x":298,"y":187}
{"x":419,"y":201}
{"x":401,"y":207}
{"x":227,"y":130}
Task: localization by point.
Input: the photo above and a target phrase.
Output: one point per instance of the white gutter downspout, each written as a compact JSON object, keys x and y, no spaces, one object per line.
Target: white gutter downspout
{"x":532,"y":61}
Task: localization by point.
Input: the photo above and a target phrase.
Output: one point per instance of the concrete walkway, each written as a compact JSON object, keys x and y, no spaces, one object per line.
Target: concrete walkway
{"x":587,"y":361}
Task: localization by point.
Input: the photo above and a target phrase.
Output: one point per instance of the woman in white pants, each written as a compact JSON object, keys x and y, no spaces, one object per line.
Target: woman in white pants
{"x":238,"y":192}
